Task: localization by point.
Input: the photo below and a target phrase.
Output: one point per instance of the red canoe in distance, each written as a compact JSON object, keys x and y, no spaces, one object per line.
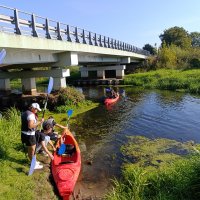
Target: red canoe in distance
{"x":109,"y":101}
{"x":66,"y":167}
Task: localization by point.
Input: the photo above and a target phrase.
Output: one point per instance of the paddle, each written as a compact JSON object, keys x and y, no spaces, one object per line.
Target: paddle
{"x":122,"y":92}
{"x":69,"y":114}
{"x":108,"y":89}
{"x":62,"y":148}
{"x":2,"y":55}
{"x":49,"y":89}
{"x":33,"y":161}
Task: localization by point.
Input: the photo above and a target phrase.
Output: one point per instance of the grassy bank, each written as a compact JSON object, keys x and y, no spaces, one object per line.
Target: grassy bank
{"x":158,"y":169}
{"x":14,"y":166}
{"x":183,"y":80}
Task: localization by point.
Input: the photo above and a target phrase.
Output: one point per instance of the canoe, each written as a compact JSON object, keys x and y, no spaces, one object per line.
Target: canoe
{"x":66,"y":167}
{"x":109,"y":101}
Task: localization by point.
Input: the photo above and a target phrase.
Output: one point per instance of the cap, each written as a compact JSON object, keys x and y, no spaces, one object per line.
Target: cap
{"x":36,"y":106}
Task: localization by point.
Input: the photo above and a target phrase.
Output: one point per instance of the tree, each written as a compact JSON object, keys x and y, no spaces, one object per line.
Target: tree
{"x":150,"y":48}
{"x":167,"y":57}
{"x":177,"y":36}
{"x":195,"y":36}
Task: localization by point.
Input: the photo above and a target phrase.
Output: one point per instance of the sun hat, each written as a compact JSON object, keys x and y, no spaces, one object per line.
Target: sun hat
{"x":36,"y":106}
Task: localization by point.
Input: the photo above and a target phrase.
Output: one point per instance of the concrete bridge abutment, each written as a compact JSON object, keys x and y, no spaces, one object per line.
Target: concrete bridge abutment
{"x":103,"y":72}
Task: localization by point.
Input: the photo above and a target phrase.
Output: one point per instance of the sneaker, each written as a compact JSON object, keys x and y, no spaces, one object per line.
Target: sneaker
{"x":38,"y":166}
{"x":38,"y":163}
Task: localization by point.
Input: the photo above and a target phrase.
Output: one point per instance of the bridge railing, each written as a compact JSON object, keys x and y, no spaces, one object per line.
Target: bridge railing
{"x":24,"y":23}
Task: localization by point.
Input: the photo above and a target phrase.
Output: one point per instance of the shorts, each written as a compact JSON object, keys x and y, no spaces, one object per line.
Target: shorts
{"x":29,"y":140}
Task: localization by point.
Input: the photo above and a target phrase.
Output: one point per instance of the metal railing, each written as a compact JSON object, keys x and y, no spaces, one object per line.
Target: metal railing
{"x":24,"y":23}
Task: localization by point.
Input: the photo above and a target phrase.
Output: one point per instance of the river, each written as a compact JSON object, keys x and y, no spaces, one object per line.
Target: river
{"x":150,"y":113}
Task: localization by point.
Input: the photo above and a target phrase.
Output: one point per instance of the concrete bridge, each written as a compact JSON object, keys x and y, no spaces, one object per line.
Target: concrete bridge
{"x":40,"y":47}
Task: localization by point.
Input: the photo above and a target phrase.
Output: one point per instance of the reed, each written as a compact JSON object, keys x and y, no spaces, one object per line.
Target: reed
{"x":183,"y":80}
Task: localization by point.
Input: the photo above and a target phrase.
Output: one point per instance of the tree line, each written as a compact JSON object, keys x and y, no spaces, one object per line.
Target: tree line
{"x":179,"y":49}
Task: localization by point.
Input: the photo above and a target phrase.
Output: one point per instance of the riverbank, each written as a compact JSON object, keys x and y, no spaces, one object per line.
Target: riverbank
{"x":158,"y":169}
{"x":14,"y":165}
{"x":167,"y":79}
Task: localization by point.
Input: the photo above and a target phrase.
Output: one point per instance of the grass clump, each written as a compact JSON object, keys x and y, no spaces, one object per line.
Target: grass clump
{"x":158,"y":169}
{"x":169,"y":79}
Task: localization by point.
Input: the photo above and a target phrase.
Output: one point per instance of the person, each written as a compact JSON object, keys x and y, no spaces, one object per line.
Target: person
{"x":42,"y":139}
{"x":29,"y":124}
{"x":113,"y":94}
{"x":53,"y":135}
{"x":50,"y":134}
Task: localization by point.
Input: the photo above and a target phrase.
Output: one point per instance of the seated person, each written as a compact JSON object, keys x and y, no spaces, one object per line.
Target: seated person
{"x":113,"y":94}
{"x":42,"y":139}
{"x":70,"y":149}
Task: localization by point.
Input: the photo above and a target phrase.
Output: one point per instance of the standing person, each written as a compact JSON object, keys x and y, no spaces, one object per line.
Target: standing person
{"x":28,"y":127}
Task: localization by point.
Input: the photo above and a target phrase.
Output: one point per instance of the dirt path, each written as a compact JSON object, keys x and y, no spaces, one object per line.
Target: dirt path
{"x":91,"y":185}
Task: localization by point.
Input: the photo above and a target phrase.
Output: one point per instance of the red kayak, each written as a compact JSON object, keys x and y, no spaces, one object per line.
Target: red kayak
{"x":109,"y":101}
{"x":66,"y":167}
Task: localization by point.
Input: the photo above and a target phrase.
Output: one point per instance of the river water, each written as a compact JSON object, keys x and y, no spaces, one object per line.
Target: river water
{"x":150,"y":113}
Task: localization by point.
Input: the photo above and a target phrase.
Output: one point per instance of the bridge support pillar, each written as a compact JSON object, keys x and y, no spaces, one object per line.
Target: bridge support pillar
{"x":101,"y":74}
{"x":119,"y":74}
{"x":59,"y":83}
{"x":29,"y":86}
{"x":84,"y":72}
{"x":5,"y":85}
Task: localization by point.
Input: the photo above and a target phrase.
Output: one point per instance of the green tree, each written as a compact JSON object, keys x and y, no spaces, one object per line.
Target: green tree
{"x":167,"y":57}
{"x":177,"y":36}
{"x":150,"y":48}
{"x":195,"y":36}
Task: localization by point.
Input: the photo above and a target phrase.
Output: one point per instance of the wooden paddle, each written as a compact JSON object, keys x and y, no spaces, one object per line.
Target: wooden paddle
{"x":33,"y":161}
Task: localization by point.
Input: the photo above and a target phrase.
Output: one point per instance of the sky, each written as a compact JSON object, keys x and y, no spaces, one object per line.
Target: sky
{"x":136,"y":22}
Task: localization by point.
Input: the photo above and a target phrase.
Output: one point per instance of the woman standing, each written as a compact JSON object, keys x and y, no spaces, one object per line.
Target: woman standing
{"x":28,"y":127}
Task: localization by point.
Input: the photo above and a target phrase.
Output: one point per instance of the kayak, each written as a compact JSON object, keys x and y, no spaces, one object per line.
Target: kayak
{"x":66,"y":167}
{"x":108,"y":101}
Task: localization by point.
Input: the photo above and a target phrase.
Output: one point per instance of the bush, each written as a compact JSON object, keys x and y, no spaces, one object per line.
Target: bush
{"x":68,"y":96}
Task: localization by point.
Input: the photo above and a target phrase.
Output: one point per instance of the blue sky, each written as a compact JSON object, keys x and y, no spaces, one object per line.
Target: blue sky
{"x":136,"y":22}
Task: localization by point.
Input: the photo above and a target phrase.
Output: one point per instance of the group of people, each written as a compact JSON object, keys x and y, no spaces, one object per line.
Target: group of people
{"x":35,"y":138}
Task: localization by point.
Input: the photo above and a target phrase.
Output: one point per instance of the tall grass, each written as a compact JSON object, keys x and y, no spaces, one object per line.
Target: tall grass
{"x":187,"y":80}
{"x":157,"y":170}
{"x":179,"y":181}
{"x":9,"y":131}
